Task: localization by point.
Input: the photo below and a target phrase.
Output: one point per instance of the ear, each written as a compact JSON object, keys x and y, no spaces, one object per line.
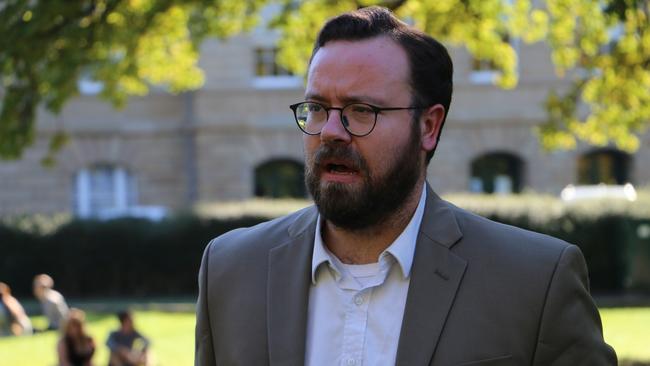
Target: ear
{"x":430,"y":126}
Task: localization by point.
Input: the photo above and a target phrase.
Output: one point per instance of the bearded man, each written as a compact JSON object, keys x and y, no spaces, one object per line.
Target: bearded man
{"x":381,"y":271}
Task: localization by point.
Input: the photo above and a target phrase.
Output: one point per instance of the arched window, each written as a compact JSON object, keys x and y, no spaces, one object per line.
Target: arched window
{"x":607,"y":166}
{"x":103,"y":188}
{"x":496,"y":173}
{"x":280,"y":179}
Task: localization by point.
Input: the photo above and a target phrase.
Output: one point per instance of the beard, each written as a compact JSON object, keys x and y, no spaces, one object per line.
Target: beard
{"x":377,"y":198}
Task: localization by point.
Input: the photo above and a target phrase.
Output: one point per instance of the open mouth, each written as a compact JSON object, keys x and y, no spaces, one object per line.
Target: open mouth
{"x":339,"y":169}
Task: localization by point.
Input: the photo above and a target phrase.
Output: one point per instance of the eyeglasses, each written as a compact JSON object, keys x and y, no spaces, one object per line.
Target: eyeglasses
{"x":359,"y":119}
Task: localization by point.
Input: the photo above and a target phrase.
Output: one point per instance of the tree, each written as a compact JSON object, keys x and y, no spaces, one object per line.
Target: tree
{"x":601,"y":46}
{"x":128,"y":45}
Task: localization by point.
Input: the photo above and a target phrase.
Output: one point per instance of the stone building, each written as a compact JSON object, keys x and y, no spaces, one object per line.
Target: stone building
{"x":235,"y":138}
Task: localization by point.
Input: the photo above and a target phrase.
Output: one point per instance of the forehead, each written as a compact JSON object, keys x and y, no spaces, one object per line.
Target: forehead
{"x":375,"y":68}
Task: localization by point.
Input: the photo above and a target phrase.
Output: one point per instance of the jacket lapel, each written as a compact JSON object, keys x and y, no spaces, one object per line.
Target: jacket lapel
{"x":435,"y":278}
{"x":288,"y":292}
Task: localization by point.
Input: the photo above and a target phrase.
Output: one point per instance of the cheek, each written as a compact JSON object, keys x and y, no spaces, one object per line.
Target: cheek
{"x":385,"y":149}
{"x":380,"y":149}
{"x":310,"y":145}
{"x":310,"y":140}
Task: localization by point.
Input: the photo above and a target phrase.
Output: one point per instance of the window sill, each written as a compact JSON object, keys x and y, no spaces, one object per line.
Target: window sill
{"x":483,"y":77}
{"x":277,"y":82}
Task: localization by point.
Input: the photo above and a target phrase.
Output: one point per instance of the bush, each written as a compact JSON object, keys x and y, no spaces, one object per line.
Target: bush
{"x":606,"y":230}
{"x":125,"y":257}
{"x":134,"y":257}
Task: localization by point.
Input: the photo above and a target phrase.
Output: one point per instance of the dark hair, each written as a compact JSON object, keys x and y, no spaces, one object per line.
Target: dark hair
{"x":123,"y":315}
{"x":430,"y":65}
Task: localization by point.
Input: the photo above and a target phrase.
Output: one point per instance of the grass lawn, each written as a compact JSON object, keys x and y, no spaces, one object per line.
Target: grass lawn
{"x":628,"y":331}
{"x":172,"y":337}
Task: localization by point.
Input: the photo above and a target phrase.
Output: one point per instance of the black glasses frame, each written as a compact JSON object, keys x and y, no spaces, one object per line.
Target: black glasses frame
{"x":375,"y":109}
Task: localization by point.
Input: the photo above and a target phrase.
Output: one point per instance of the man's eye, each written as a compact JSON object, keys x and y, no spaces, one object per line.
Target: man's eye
{"x":362,"y":109}
{"x":315,"y":108}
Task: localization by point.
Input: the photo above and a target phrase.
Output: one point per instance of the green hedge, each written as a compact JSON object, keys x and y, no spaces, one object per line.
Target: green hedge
{"x":124,"y":257}
{"x":132,"y":257}
{"x":614,"y":235}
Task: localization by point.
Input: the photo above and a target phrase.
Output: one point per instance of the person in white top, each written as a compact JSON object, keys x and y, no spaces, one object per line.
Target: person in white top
{"x":381,"y":271}
{"x":52,"y":302}
{"x":13,"y":319}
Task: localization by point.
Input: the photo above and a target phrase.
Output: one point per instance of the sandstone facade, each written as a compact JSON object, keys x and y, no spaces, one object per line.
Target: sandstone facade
{"x":203,"y":146}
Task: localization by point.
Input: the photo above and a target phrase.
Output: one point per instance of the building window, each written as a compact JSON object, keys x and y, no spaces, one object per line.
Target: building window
{"x":483,"y":72}
{"x":269,"y":74}
{"x":103,"y":190}
{"x":266,"y":64}
{"x":606,"y":166}
{"x":496,"y":173}
{"x":88,"y":86}
{"x":486,"y":71}
{"x":280,"y":179}
{"x":483,"y":65}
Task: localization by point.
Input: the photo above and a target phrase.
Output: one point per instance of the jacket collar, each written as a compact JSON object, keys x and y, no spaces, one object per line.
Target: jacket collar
{"x":288,"y":291}
{"x":436,"y":275}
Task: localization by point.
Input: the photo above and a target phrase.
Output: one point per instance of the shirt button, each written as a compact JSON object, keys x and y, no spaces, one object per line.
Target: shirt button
{"x":357,"y":300}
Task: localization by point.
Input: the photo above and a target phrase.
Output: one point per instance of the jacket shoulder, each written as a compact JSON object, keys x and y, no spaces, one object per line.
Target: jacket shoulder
{"x":258,"y":239}
{"x":496,"y":235}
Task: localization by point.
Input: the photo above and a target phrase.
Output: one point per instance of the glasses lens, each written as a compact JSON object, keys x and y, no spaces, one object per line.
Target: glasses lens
{"x":311,"y":117}
{"x":359,"y":118}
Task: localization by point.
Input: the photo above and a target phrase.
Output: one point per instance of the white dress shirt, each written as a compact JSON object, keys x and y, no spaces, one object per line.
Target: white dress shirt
{"x":355,"y":311}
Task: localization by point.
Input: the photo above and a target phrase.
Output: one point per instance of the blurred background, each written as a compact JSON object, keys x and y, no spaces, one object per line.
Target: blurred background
{"x":132,"y":132}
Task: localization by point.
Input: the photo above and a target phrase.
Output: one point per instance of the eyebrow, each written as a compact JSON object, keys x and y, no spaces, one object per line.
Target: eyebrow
{"x":347,"y":99}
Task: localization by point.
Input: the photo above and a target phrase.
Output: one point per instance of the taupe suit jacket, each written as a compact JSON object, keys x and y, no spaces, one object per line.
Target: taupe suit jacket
{"x":481,"y":293}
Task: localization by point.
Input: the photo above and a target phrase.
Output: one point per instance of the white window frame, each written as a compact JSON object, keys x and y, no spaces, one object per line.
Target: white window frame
{"x":483,"y":77}
{"x":273,"y":81}
{"x":89,"y":86}
{"x":124,"y":192}
{"x":489,"y":76}
{"x":277,"y":82}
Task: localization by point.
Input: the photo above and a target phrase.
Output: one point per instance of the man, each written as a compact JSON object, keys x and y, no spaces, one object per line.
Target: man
{"x":128,"y":347}
{"x":52,"y":302}
{"x":382,"y":271}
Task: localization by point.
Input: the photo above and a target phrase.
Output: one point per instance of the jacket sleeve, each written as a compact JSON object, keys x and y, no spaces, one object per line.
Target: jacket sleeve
{"x":203,"y":349}
{"x":570,"y":330}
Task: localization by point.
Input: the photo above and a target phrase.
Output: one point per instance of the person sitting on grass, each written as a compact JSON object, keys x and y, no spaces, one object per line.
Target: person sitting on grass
{"x":13,"y":320}
{"x":128,"y":347}
{"x":75,"y":347}
{"x":52,"y":302}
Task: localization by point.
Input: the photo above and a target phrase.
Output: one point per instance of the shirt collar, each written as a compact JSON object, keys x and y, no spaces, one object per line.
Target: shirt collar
{"x":402,"y":249}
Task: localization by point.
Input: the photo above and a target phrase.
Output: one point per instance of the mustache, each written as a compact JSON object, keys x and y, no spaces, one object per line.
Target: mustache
{"x":339,"y":152}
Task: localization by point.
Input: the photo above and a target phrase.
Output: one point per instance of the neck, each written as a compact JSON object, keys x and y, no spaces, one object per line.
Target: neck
{"x":365,"y":246}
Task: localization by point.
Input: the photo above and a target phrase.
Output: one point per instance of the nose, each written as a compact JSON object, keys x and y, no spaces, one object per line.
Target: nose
{"x":333,"y":130}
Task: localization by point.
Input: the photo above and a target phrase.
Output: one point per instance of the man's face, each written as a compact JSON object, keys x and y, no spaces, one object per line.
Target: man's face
{"x":358,"y":182}
{"x":39,"y":291}
{"x":127,"y":325}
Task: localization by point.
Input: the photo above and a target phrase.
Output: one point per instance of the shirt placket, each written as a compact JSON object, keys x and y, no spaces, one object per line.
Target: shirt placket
{"x":355,"y":327}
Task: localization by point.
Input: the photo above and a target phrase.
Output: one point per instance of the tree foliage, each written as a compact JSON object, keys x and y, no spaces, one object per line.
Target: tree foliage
{"x":46,"y":46}
{"x":601,"y":46}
